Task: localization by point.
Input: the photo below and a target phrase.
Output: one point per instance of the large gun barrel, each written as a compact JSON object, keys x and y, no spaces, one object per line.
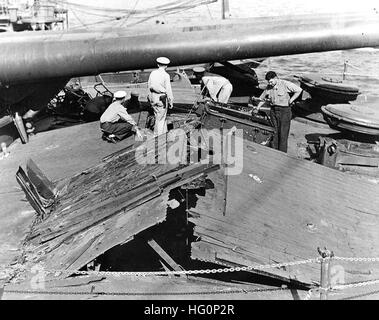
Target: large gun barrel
{"x":31,"y":56}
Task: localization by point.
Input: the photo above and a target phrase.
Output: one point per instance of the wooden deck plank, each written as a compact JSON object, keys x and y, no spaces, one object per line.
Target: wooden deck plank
{"x":297,"y":207}
{"x":161,"y":288}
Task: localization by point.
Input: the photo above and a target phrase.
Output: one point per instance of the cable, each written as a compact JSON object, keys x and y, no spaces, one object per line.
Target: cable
{"x":126,"y":19}
{"x":173,"y":8}
{"x":172,"y":12}
{"x":81,"y":22}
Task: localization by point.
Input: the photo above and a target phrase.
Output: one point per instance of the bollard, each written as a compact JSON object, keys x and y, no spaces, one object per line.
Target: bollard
{"x":325,"y":272}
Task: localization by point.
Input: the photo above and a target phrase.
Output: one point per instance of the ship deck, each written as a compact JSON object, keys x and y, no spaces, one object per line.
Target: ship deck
{"x":63,"y":153}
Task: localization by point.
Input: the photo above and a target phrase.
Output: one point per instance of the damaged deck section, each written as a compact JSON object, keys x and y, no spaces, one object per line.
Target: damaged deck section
{"x":281,"y":209}
{"x":101,"y":207}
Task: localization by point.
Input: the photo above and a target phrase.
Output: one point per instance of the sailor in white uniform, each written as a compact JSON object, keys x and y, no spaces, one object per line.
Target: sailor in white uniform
{"x":160,"y":94}
{"x":219,"y":88}
{"x":116,"y":122}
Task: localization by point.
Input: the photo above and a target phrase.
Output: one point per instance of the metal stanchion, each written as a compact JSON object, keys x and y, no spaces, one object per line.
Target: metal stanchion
{"x":325,"y":272}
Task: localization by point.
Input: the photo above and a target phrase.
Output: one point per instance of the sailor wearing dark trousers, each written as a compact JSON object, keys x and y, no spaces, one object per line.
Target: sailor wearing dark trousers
{"x":278,"y":93}
{"x":160,"y":95}
{"x":116,"y":121}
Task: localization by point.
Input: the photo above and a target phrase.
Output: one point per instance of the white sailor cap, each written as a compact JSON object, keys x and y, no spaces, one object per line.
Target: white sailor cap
{"x":163,"y":60}
{"x":198,"y":69}
{"x":119,"y":94}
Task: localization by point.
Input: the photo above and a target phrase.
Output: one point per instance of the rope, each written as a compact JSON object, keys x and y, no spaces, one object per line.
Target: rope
{"x":194,"y":104}
{"x":133,"y":10}
{"x":171,"y":8}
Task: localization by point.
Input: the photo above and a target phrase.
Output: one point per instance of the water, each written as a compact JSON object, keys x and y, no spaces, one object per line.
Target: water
{"x":364,"y":62}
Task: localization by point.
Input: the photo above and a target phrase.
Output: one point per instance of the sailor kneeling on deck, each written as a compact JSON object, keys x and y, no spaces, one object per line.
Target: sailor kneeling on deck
{"x":278,"y":94}
{"x":116,"y":123}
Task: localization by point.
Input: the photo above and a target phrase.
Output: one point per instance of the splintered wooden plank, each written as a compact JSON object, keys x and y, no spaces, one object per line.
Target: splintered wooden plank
{"x":280,"y":209}
{"x":120,"y":229}
{"x":105,"y":206}
{"x":43,"y":185}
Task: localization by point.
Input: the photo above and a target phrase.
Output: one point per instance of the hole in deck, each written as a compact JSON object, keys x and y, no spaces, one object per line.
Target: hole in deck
{"x":175,"y":236}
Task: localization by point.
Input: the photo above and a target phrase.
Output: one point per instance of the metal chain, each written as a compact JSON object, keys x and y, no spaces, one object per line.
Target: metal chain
{"x":186,"y":272}
{"x":203,"y":271}
{"x":355,"y":285}
{"x":357,"y":259}
{"x":182,"y":272}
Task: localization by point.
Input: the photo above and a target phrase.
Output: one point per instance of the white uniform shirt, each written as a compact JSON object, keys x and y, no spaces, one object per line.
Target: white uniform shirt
{"x":115,"y":112}
{"x":214,"y":84}
{"x":159,"y":82}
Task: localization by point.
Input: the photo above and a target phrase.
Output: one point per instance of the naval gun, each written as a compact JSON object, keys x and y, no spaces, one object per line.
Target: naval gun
{"x":36,"y":66}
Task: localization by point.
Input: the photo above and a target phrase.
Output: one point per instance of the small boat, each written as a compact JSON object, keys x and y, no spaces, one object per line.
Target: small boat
{"x":362,"y":118}
{"x":327,"y":89}
{"x":257,"y":128}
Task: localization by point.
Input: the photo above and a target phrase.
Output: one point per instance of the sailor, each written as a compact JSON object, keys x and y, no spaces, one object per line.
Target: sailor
{"x":160,"y":94}
{"x":116,"y":123}
{"x":219,"y":88}
{"x":278,"y":94}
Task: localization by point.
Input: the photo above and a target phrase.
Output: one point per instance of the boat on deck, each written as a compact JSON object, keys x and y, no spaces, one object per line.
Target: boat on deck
{"x":327,"y":89}
{"x":357,"y":117}
{"x":257,"y":128}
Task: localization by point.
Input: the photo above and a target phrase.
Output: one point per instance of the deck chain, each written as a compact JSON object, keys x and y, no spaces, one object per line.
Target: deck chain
{"x":202,"y":271}
{"x":357,"y":259}
{"x":186,"y":272}
{"x":355,"y":285}
{"x":181,"y":272}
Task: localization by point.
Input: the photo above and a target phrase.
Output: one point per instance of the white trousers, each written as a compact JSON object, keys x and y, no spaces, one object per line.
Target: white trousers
{"x":225,"y":93}
{"x":160,"y":119}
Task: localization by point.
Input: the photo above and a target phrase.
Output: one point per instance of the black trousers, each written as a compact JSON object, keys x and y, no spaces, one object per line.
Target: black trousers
{"x":281,"y":118}
{"x":120,"y":129}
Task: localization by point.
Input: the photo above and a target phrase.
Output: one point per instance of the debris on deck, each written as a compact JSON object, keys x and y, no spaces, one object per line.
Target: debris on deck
{"x":99,"y":208}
